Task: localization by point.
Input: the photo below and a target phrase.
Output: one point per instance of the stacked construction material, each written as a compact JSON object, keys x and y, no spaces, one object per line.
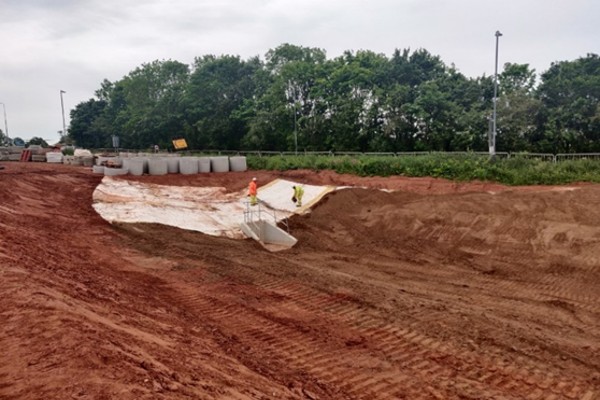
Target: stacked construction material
{"x":54,"y":157}
{"x":203,"y":164}
{"x":219,"y":164}
{"x":114,"y":166}
{"x":237,"y":164}
{"x":25,"y":155}
{"x":188,"y":165}
{"x":153,"y":164}
{"x":38,"y":153}
{"x":14,"y":153}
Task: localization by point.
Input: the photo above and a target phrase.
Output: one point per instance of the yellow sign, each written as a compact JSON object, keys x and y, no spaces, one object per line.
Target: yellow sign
{"x":179,"y":144}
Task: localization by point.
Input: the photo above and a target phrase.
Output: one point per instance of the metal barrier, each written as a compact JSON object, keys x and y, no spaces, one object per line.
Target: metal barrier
{"x":267,"y":153}
{"x":541,"y":156}
{"x":256,"y":212}
{"x":412,"y":153}
{"x":577,"y":156}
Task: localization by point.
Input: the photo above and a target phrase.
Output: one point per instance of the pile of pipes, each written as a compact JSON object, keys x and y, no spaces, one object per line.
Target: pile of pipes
{"x":34,"y":153}
{"x":162,"y":165}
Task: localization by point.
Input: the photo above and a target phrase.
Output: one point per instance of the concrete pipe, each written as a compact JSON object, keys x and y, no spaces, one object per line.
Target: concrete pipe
{"x":173,"y":165}
{"x":126,"y":161}
{"x":135,"y":165}
{"x":219,"y":164}
{"x":101,"y":159}
{"x":157,"y":166}
{"x":237,"y":164}
{"x":204,"y":164}
{"x":188,"y":165}
{"x":77,"y":161}
{"x":98,"y":169}
{"x":115,"y":171}
{"x":88,"y":161}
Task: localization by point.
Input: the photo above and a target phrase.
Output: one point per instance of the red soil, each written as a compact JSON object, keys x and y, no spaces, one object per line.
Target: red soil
{"x":437,"y":290}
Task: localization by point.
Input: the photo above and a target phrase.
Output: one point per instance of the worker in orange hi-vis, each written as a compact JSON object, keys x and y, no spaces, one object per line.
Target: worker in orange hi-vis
{"x":252,"y":189}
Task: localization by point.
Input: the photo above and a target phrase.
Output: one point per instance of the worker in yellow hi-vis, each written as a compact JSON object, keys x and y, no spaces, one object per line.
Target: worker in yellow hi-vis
{"x":298,"y":193}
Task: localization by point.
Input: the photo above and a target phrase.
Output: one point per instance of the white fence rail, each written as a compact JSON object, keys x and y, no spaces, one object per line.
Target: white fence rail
{"x":550,"y":157}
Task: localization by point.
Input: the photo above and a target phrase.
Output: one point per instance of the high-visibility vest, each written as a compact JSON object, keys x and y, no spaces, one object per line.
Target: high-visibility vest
{"x":298,"y":192}
{"x":252,"y":188}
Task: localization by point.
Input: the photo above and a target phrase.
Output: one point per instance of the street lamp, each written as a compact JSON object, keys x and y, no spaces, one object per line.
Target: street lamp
{"x":5,"y":121}
{"x":493,"y":135}
{"x":295,"y":129}
{"x":62,"y":106}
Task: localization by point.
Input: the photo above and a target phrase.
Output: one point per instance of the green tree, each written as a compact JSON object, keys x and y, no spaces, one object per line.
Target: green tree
{"x":517,"y":78}
{"x":37,"y":141}
{"x":288,"y":103}
{"x":147,"y":105}
{"x":570,"y":95}
{"x":518,"y":109}
{"x":86,"y":128}
{"x":215,"y":100}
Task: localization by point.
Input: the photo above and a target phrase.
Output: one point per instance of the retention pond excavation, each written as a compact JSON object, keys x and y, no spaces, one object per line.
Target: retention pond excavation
{"x":150,"y":287}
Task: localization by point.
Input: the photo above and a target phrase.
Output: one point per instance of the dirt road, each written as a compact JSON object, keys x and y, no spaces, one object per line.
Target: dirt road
{"x":435,"y":290}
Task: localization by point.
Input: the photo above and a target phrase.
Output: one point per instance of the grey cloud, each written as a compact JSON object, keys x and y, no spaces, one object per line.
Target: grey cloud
{"x":74,"y":44}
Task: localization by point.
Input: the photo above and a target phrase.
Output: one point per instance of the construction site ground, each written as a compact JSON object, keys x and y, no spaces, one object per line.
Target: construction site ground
{"x":431,"y":290}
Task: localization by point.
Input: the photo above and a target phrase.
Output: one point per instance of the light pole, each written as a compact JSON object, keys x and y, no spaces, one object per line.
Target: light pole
{"x":295,"y":129}
{"x":62,"y":106}
{"x":493,"y":138}
{"x":5,"y":122}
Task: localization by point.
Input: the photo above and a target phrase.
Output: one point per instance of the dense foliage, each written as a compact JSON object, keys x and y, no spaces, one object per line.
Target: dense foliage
{"x":37,"y":141}
{"x":360,"y":101}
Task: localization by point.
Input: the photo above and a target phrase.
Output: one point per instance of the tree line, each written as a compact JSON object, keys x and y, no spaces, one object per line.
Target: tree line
{"x":360,"y":101}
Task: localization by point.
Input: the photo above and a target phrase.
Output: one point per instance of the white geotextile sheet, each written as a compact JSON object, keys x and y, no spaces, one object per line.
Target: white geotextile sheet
{"x":210,"y":210}
{"x":278,"y":195}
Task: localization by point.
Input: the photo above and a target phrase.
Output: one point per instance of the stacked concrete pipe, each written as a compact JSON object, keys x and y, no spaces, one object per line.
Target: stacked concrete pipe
{"x":188,"y":165}
{"x":219,"y":164}
{"x":153,"y":165}
{"x":237,"y":164}
{"x":135,"y":166}
{"x":157,"y":166}
{"x":172,"y":165}
{"x":203,"y":164}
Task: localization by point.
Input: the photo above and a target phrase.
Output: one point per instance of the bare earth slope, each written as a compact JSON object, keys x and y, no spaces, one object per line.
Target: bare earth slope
{"x":435,"y":291}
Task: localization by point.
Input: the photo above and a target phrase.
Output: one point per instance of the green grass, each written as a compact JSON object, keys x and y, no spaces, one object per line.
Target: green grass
{"x":465,"y":167}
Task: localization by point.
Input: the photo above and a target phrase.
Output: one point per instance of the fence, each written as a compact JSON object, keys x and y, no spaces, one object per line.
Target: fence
{"x":268,"y":153}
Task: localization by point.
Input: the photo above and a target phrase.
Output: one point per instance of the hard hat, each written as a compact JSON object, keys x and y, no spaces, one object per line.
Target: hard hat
{"x":253,"y":179}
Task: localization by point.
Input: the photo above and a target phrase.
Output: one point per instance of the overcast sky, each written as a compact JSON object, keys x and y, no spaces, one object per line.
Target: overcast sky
{"x":73,"y":45}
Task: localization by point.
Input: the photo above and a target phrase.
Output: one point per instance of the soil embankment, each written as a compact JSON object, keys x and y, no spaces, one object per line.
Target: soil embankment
{"x":434,"y":290}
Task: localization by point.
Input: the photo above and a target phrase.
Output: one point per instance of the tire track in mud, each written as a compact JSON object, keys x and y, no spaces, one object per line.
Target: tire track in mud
{"x":318,"y":328}
{"x":373,"y":359}
{"x":366,"y":353}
